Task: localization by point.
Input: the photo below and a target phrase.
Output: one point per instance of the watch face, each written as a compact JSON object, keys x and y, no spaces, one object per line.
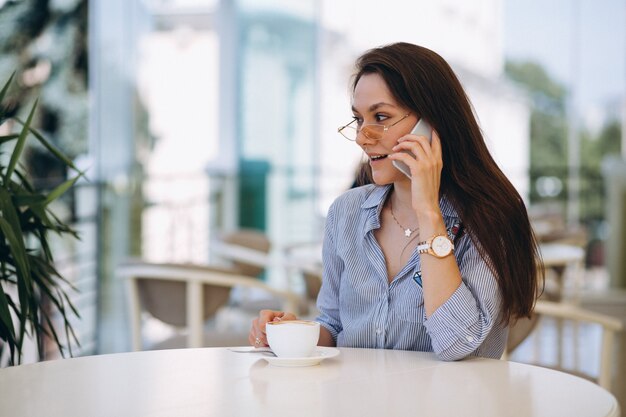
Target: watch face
{"x":441,"y":246}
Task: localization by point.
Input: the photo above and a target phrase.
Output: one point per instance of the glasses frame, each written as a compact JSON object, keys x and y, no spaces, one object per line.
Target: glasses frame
{"x":341,"y":129}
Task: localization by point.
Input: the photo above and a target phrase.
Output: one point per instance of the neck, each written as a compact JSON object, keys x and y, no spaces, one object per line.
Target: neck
{"x":401,"y":195}
{"x":404,"y":215}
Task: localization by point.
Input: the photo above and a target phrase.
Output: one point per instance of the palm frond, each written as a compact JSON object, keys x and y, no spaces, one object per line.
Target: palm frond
{"x":26,"y":262}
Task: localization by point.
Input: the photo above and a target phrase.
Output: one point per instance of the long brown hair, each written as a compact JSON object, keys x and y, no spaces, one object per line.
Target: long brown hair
{"x":493,"y":212}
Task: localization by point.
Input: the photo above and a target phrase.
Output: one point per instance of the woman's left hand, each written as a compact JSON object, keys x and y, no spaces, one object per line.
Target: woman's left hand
{"x":425,"y":169}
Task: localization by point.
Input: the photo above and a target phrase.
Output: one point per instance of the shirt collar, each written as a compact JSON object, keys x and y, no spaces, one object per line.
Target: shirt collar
{"x":377,"y":197}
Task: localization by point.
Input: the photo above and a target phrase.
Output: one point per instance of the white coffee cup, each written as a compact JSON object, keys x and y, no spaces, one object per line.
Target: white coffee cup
{"x":293,"y":338}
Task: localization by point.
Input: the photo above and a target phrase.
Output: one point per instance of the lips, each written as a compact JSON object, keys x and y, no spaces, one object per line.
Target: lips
{"x":377,"y":157}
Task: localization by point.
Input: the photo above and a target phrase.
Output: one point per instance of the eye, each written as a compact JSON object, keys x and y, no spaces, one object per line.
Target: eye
{"x":380,"y":117}
{"x":358,"y":120}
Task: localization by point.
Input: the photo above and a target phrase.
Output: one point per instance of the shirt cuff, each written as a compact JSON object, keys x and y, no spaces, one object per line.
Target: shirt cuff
{"x":454,"y":321}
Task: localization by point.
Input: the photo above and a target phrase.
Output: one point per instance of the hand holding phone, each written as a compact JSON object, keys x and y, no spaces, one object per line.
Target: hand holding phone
{"x":422,"y":128}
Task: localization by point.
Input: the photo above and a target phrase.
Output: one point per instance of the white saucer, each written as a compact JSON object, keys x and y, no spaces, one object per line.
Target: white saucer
{"x":319,"y":355}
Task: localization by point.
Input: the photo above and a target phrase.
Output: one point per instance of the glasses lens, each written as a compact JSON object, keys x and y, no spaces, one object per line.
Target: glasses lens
{"x":349,"y":133}
{"x":374,"y":132}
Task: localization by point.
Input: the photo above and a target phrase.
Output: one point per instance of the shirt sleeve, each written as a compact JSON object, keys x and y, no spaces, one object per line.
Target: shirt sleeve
{"x":333,"y":266}
{"x":460,"y":325}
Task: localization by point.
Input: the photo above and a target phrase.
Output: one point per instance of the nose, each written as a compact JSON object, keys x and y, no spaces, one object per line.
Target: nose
{"x":363,"y":140}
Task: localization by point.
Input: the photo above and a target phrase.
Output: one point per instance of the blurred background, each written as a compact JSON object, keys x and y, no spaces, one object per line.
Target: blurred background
{"x":196,"y":118}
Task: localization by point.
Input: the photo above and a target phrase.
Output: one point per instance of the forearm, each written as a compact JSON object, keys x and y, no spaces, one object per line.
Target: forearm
{"x":466,"y":320}
{"x":325,"y":338}
{"x":440,"y":277}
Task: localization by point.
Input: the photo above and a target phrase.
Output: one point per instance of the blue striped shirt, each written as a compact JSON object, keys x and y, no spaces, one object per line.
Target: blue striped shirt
{"x":360,"y":308}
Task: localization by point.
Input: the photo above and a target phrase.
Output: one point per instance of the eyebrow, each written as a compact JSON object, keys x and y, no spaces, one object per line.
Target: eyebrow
{"x":375,"y":106}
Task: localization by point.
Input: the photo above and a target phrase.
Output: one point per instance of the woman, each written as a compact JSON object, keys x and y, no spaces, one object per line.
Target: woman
{"x":439,"y":261}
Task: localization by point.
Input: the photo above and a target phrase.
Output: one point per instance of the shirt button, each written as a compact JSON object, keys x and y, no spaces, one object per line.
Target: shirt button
{"x":469,"y":339}
{"x":378,"y":331}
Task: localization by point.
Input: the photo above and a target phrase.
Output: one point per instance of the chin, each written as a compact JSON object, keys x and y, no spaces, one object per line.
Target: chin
{"x":383,"y":178}
{"x":386,"y":173}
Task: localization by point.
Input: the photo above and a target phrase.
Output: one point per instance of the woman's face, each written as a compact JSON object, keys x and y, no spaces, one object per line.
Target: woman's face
{"x":373,"y":103}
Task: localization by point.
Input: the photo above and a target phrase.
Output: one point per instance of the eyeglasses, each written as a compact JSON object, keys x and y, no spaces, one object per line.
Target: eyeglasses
{"x":371,"y":131}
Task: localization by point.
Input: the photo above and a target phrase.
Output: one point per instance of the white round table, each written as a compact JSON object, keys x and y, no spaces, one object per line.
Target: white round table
{"x":358,"y":382}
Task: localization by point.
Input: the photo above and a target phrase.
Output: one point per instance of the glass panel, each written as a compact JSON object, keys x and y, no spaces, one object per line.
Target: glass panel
{"x":277,"y":108}
{"x":177,"y":73}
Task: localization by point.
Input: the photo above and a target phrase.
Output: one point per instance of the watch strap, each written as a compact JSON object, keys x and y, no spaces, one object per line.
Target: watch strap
{"x":426,"y":245}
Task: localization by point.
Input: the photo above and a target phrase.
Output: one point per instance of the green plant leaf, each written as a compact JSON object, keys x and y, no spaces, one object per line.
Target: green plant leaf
{"x":10,"y":225}
{"x":57,"y":153}
{"x":41,"y":235}
{"x":41,"y":298}
{"x":9,"y":341}
{"x":19,"y":146}
{"x":9,"y":211}
{"x":19,"y":255}
{"x":69,"y":331}
{"x":6,"y":87}
{"x":5,"y":314}
{"x":59,"y":190}
{"x":42,"y":218}
{"x":8,"y":138}
{"x":29,"y":200}
{"x":24,"y":183}
{"x":45,"y":272}
{"x":51,"y":331}
{"x":58,"y":300}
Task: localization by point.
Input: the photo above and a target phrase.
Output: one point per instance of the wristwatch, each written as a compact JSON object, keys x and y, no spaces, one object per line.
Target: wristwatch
{"x":439,"y":246}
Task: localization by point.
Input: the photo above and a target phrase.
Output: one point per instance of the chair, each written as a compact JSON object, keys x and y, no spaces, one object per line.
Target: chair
{"x":565,"y":311}
{"x":304,"y":260}
{"x":247,"y":249}
{"x":550,"y":226}
{"x":184,"y":294}
{"x":556,"y":259}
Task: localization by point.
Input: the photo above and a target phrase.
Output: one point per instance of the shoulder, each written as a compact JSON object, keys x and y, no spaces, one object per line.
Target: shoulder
{"x":357,"y":197}
{"x":355,"y":206}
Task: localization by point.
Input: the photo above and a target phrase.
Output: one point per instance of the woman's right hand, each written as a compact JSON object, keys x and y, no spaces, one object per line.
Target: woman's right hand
{"x":257,"y":337}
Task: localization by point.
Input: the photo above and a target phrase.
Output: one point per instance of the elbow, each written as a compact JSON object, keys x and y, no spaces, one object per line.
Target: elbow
{"x":452,"y":355}
{"x":459,"y":349}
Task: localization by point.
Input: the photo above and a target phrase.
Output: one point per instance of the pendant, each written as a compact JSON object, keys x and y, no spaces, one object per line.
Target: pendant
{"x":408,"y":232}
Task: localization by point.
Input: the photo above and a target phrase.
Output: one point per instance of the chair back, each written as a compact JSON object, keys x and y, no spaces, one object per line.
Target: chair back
{"x":519,"y":331}
{"x":566,"y":311}
{"x":250,"y":239}
{"x":185,"y":294}
{"x":166,"y":300}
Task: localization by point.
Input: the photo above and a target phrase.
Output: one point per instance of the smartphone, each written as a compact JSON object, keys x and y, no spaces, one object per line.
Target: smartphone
{"x":422,"y":128}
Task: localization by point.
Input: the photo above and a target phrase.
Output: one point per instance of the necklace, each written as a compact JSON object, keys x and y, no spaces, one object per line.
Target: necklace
{"x":407,"y":232}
